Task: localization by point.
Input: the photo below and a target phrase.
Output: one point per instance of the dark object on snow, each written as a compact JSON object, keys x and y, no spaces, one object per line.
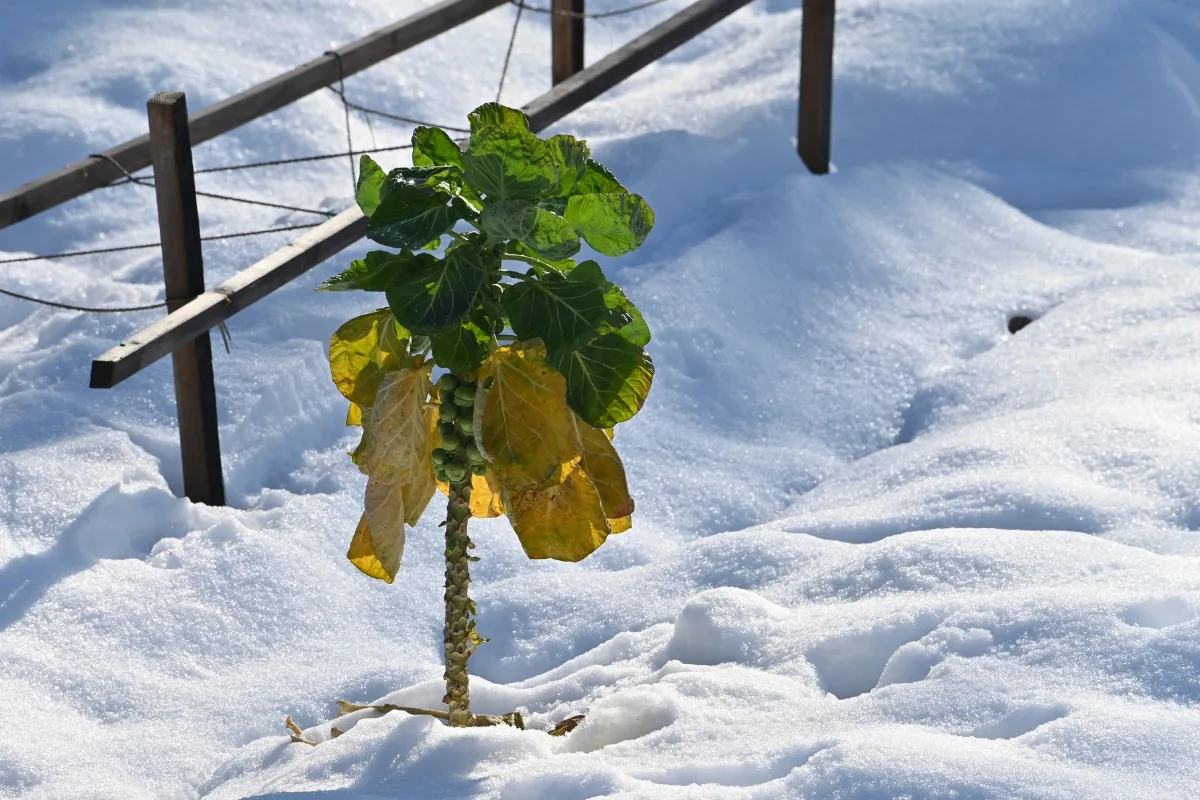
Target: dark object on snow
{"x":1017,"y":322}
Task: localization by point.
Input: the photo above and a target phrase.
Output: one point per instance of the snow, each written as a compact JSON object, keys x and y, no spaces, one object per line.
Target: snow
{"x":883,"y":547}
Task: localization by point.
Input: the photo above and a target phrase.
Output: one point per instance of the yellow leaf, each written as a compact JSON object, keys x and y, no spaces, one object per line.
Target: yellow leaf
{"x":395,"y":454}
{"x":354,"y":415}
{"x":362,"y":554}
{"x":564,"y":521}
{"x":604,"y":467}
{"x":359,"y":454}
{"x":522,"y":423}
{"x":400,"y":445}
{"x":620,"y":525}
{"x":384,"y":513}
{"x":485,"y":495}
{"x":362,"y":351}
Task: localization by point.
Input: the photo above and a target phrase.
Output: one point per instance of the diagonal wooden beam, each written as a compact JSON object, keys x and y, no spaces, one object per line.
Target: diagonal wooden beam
{"x":620,"y":64}
{"x":216,"y":305}
{"x":73,"y":180}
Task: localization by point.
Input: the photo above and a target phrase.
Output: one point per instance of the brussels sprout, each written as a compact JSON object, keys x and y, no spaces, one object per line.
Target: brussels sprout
{"x":466,"y":426}
{"x":447,"y":430}
{"x":450,"y":444}
{"x":447,"y":412}
{"x":447,"y":383}
{"x":479,"y":469}
{"x":473,"y":454}
{"x":464,"y":396}
{"x":439,"y":456}
{"x":455,"y":473}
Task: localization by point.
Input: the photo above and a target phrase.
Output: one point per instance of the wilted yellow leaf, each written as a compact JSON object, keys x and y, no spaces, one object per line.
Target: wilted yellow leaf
{"x":564,"y":521}
{"x":396,"y":457}
{"x":362,"y":351}
{"x":362,"y":553}
{"x":604,"y":467}
{"x":485,"y":495}
{"x":359,"y":454}
{"x":620,"y":525}
{"x":522,"y":422}
{"x":400,"y":446}
{"x":354,"y":415}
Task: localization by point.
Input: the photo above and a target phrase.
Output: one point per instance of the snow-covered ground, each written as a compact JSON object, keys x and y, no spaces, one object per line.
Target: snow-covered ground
{"x":883,"y":548}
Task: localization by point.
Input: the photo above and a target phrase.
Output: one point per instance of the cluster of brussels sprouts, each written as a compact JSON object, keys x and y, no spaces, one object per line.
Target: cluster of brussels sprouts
{"x":458,"y":457}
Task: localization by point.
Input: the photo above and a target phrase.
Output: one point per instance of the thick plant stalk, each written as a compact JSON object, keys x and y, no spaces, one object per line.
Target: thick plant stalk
{"x":459,"y":625}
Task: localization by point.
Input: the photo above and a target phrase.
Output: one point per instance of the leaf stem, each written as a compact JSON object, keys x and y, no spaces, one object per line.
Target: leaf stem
{"x":531,"y":260}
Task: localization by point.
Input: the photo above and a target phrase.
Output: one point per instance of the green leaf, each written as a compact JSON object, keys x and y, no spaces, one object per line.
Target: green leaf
{"x":560,"y":312}
{"x":607,"y":379}
{"x":624,"y":318}
{"x":369,"y":274}
{"x":633,"y":328}
{"x":555,"y":205}
{"x":612,"y":224}
{"x":432,"y":294}
{"x":570,"y":158}
{"x":462,"y":348}
{"x":409,"y":217}
{"x":496,"y":114}
{"x":547,"y":235}
{"x":446,"y":179}
{"x":505,"y":162}
{"x":433,"y":146}
{"x":598,"y":180}
{"x":371,"y":179}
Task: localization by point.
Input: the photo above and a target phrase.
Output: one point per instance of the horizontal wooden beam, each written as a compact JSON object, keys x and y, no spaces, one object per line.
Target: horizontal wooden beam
{"x":250,"y":285}
{"x":619,"y":65}
{"x":219,"y":304}
{"x":82,"y":177}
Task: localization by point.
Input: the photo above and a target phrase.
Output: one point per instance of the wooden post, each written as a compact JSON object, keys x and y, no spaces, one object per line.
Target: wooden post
{"x":566,"y":39}
{"x":816,"y":84}
{"x":183,"y":271}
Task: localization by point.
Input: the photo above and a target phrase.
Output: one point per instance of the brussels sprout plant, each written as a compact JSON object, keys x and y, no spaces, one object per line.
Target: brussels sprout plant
{"x":537,"y":365}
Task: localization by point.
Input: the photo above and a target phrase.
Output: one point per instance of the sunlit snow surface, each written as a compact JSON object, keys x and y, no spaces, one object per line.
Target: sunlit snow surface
{"x":883,"y":548}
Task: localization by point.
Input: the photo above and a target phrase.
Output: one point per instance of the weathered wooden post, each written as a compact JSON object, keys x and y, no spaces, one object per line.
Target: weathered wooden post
{"x":183,"y":271}
{"x":816,"y":84}
{"x":566,"y":39}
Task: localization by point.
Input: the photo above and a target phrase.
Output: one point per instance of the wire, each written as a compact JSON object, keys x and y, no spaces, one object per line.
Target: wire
{"x":341,"y":92}
{"x":299,"y":160}
{"x":100,"y":250}
{"x":585,"y":15}
{"x":70,"y":307}
{"x":508,"y":54}
{"x":130,"y":178}
{"x":350,"y":104}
